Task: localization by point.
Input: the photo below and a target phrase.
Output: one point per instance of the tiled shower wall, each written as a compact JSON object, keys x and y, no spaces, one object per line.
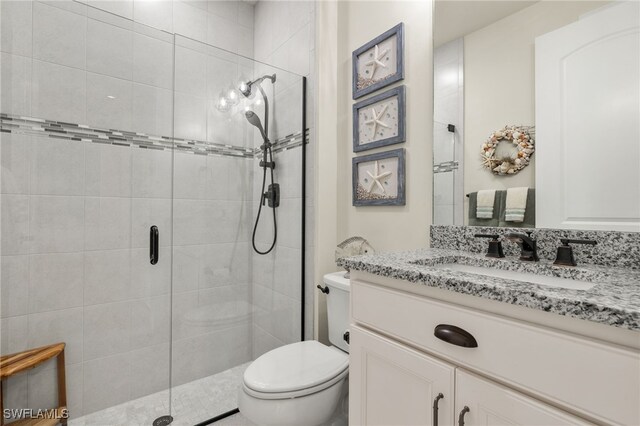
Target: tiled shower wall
{"x":76,"y":214}
{"x":66,"y":56}
{"x":284,"y":37}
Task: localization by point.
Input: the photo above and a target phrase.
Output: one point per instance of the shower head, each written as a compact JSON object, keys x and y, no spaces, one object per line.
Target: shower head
{"x":254,"y":120}
{"x":245,"y":88}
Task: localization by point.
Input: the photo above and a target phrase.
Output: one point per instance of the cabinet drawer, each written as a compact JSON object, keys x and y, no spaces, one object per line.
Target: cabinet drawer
{"x":598,"y":380}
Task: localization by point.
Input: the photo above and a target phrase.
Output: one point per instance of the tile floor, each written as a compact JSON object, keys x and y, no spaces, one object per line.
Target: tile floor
{"x":191,"y":403}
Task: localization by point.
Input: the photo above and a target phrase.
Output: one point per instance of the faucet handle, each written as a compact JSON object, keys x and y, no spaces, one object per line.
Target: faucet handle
{"x":567,"y":241}
{"x":493,"y":236}
{"x":565,"y":256}
{"x":495,"y":246}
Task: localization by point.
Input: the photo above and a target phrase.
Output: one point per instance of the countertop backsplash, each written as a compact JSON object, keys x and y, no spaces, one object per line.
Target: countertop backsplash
{"x":614,"y":249}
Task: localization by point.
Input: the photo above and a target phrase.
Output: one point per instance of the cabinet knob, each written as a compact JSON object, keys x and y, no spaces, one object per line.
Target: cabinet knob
{"x":455,"y":336}
{"x":464,"y":411}
{"x":435,"y":408}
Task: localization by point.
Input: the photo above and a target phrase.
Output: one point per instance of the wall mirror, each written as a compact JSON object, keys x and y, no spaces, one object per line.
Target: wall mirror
{"x":563,"y":77}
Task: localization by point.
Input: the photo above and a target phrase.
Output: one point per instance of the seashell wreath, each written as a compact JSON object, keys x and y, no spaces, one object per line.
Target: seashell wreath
{"x":520,"y":136}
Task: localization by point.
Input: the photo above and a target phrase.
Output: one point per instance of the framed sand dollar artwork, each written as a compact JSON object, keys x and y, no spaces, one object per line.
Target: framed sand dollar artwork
{"x":378,"y":179}
{"x":379,"y":63}
{"x":379,"y":120}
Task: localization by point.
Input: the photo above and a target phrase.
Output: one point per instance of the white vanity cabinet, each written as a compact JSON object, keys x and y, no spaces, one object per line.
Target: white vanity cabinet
{"x":393,"y":384}
{"x":519,"y":373}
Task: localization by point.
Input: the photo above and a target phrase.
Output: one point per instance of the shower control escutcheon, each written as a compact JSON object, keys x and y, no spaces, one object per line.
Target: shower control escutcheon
{"x":272,"y":196}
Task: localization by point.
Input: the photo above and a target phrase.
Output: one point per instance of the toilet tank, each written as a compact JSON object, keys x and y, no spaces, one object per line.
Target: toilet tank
{"x":338,"y":308}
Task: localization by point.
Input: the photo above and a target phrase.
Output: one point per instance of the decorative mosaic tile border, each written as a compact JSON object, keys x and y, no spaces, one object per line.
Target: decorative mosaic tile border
{"x":80,"y":132}
{"x":447,"y":166}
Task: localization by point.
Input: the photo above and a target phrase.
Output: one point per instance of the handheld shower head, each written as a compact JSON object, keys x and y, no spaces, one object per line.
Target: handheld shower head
{"x":254,"y":120}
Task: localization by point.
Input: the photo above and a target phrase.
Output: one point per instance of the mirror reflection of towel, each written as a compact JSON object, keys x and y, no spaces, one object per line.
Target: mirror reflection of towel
{"x":516,"y":204}
{"x":484,"y":207}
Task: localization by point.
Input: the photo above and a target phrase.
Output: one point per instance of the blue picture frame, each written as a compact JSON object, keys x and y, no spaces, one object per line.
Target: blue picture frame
{"x":400,"y":198}
{"x":400,"y":93}
{"x":398,"y":30}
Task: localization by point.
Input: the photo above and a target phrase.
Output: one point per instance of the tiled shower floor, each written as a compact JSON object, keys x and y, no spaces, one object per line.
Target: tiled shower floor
{"x":191,"y":403}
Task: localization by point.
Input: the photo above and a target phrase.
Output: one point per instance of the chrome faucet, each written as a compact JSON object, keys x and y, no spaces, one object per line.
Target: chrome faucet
{"x":528,"y":246}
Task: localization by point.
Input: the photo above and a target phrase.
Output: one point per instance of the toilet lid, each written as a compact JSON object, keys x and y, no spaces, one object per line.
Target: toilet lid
{"x":294,"y":367}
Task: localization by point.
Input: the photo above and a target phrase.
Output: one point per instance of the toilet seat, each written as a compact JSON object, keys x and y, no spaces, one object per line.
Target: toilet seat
{"x":295,"y":370}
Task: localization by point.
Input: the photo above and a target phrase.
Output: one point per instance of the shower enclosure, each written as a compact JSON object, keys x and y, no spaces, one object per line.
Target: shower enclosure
{"x":130,"y":185}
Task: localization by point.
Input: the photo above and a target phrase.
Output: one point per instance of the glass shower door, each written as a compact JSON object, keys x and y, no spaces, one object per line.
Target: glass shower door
{"x":86,"y":172}
{"x":231,"y":304}
{"x":212,"y":173}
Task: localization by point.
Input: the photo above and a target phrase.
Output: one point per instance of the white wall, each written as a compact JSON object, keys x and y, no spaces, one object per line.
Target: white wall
{"x":389,"y":227}
{"x":342,"y":28}
{"x":326,"y":176}
{"x":499,"y":84}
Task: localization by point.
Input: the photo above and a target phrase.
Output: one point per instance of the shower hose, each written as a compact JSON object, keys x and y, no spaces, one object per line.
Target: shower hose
{"x":262,"y":201}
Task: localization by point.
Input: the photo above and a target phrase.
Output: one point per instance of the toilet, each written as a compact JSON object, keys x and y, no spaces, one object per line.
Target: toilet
{"x":304,"y":383}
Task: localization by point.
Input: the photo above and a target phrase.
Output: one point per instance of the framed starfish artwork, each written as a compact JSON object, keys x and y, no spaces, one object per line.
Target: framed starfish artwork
{"x":380,"y":120}
{"x":379,"y":63}
{"x":378,"y":179}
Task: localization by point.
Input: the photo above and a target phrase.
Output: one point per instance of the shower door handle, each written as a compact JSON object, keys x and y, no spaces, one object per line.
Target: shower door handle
{"x":154,"y":238}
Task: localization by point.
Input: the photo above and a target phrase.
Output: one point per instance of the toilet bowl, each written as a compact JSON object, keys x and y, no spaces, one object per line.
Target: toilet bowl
{"x":303,"y":383}
{"x":296,"y":384}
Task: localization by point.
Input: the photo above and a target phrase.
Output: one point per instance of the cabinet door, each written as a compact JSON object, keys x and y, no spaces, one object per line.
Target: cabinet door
{"x":493,"y":404}
{"x":391,"y":384}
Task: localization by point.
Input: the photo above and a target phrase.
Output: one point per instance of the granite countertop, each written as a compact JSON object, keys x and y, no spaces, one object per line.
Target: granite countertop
{"x":614,"y":300}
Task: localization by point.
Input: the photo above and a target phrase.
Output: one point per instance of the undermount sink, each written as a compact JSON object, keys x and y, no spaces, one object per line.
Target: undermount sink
{"x":526,"y":277}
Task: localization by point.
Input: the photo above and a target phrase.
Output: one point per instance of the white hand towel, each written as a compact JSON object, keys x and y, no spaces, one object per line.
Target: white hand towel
{"x":484,"y":203}
{"x":516,"y":204}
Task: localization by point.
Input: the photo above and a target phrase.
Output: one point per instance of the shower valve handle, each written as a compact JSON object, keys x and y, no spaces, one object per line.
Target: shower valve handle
{"x":272,"y":195}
